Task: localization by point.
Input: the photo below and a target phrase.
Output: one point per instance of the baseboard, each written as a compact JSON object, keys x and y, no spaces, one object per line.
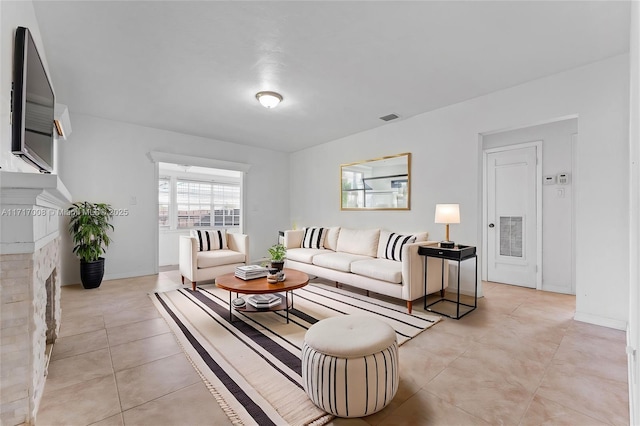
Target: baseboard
{"x":466,"y":288}
{"x":602,"y":321}
{"x":631,"y":380}
{"x":557,"y":289}
{"x":130,"y":274}
{"x":119,"y":276}
{"x":453,"y":289}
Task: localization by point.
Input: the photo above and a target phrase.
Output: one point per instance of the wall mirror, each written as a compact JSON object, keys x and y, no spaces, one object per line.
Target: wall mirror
{"x":377,"y":184}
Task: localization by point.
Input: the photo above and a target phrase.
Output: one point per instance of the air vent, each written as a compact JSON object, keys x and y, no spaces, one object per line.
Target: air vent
{"x":389,"y":117}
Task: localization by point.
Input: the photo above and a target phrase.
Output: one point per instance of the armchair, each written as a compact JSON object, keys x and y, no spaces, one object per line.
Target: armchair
{"x":198,"y":265}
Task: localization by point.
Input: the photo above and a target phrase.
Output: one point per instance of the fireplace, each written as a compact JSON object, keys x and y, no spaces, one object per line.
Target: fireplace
{"x":30,"y":219}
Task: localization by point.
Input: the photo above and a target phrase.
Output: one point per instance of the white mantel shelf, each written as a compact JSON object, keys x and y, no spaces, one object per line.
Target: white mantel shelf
{"x":30,"y":207}
{"x":45,"y":183}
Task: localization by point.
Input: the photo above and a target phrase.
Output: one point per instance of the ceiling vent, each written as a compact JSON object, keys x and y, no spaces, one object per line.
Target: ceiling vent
{"x":389,"y":117}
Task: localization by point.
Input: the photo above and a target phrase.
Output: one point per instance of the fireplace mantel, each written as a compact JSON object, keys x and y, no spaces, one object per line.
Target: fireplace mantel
{"x":32,"y":208}
{"x":48,"y":182}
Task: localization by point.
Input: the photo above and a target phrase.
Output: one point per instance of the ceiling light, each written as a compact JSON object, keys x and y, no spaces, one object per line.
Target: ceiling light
{"x":269,"y":99}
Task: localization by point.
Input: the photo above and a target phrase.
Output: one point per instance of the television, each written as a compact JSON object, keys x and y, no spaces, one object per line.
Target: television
{"x":32,"y":106}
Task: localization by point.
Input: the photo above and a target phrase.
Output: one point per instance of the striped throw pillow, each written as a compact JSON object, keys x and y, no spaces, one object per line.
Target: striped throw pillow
{"x":313,"y":237}
{"x":213,"y":239}
{"x":391,"y":246}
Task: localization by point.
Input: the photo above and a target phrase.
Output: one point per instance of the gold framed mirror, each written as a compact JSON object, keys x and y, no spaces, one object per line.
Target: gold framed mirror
{"x":378,"y":184}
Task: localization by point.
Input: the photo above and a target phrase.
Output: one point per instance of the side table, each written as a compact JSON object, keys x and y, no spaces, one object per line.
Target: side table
{"x":459,"y":254}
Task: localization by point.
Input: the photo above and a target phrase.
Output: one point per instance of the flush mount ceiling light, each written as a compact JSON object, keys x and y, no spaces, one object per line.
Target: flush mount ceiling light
{"x":269,"y":99}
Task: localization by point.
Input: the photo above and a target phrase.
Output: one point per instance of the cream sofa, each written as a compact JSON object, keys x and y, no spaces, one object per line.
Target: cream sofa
{"x":366,"y":259}
{"x":200,"y":265}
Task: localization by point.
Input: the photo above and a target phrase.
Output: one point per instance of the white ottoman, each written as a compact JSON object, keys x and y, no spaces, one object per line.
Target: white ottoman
{"x":350,"y":365}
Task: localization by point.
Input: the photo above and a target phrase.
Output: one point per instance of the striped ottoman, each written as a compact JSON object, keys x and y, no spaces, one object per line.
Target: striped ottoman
{"x":350,"y":365}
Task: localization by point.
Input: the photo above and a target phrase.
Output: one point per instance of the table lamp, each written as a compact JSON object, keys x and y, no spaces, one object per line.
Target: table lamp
{"x":447,"y":214}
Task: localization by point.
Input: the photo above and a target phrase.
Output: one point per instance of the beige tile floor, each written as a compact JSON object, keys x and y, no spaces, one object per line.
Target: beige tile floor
{"x":519,"y":359}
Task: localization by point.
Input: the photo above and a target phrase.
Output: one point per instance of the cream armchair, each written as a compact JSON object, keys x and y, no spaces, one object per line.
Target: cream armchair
{"x":198,"y":266}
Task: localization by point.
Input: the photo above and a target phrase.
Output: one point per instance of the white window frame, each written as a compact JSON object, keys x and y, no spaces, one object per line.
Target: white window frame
{"x":171,"y":204}
{"x":173,"y":222}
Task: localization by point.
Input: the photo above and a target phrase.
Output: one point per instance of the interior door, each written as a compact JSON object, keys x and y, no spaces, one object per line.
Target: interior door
{"x":512,"y":216}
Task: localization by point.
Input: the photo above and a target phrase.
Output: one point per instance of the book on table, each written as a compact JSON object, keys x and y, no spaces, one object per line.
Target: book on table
{"x":260,"y":301}
{"x":249,"y":272}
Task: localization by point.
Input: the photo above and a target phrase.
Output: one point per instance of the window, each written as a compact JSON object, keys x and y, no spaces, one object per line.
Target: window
{"x":352,"y":180}
{"x":197,"y":203}
{"x":226,"y":205}
{"x":164,"y":200}
{"x":352,"y":189}
{"x":194,"y":203}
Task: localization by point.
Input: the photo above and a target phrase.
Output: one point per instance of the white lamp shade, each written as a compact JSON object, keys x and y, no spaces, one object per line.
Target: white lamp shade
{"x":447,"y":213}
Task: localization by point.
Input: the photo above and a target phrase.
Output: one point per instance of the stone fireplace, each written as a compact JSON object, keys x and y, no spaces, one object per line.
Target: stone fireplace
{"x":31,"y":211}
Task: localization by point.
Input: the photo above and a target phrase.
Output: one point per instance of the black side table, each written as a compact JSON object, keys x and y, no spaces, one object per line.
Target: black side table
{"x":459,"y":254}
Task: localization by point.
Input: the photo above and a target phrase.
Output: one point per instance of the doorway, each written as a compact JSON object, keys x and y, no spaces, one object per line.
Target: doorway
{"x":194,"y":197}
{"x":513,"y":216}
{"x":512,"y":257}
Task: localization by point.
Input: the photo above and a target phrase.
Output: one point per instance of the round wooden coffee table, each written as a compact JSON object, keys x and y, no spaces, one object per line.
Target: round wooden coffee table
{"x":294,"y":279}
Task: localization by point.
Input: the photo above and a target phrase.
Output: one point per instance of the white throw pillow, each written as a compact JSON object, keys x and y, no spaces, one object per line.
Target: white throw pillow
{"x":391,"y":244}
{"x":421,"y":236}
{"x":358,"y":241}
{"x":314,"y":237}
{"x":331,"y":240}
{"x":210,"y":239}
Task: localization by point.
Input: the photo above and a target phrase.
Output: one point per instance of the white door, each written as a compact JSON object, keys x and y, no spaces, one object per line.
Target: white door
{"x":511,"y":199}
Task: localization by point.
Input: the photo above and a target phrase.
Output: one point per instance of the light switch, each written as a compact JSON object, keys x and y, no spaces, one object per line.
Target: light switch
{"x":560,"y":192}
{"x":564,"y":178}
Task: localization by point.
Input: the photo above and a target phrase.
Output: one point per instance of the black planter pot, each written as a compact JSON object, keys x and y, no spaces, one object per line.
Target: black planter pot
{"x":91,"y":273}
{"x":277,"y":264}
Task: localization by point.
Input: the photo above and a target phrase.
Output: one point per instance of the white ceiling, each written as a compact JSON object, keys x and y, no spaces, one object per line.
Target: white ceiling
{"x":194,"y":67}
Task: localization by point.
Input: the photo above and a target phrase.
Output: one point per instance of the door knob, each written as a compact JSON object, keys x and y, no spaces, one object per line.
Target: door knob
{"x":491,"y":225}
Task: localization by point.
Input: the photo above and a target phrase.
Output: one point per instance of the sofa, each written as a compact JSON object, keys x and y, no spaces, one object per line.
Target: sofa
{"x":206,"y":254}
{"x":375,"y":260}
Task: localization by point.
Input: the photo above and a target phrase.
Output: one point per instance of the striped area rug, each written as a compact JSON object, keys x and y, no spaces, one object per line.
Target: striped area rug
{"x":253,"y":364}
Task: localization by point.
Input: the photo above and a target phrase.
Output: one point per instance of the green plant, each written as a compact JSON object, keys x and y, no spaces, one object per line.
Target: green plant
{"x":277,"y":252}
{"x":88,"y":226}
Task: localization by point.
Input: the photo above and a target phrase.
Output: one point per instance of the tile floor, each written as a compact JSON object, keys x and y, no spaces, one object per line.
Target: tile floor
{"x":519,"y":359}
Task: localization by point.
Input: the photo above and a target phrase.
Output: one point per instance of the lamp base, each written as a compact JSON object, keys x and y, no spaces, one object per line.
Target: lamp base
{"x":447,"y":244}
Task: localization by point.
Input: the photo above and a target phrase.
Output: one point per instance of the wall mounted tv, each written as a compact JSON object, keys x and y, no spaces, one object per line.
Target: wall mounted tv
{"x":32,"y":106}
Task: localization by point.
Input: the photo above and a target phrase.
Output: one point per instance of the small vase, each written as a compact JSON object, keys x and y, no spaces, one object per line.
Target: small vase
{"x":272,"y":276}
{"x":277,"y":264}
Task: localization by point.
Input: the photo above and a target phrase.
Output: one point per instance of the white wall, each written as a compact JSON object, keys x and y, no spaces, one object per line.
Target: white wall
{"x":107,"y":161}
{"x":633,"y":333}
{"x":557,"y":240}
{"x":12,"y":15}
{"x":168,"y":245}
{"x":446,"y":168}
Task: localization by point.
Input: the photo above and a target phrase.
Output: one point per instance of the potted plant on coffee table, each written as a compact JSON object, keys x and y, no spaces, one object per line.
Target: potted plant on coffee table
{"x":277,"y":253}
{"x":88,"y":226}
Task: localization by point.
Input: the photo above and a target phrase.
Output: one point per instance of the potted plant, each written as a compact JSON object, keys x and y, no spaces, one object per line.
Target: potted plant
{"x":277,"y":253}
{"x":88,"y":226}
